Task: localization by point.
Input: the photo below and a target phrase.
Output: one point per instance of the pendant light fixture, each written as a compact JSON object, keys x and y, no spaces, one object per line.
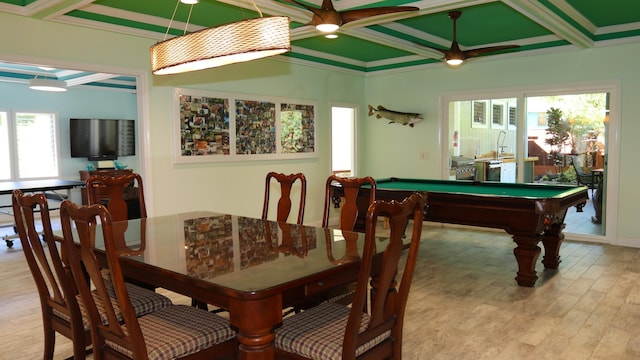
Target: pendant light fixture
{"x":230,"y":43}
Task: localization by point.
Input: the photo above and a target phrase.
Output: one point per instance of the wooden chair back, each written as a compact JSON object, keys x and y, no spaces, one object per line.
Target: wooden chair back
{"x":388,"y":298}
{"x":118,"y":191}
{"x":125,"y":333}
{"x":349,"y":212}
{"x":284,"y":203}
{"x":51,"y":273}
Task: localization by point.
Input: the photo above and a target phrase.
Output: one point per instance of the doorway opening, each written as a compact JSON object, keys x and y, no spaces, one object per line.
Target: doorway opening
{"x":552,"y":137}
{"x":343,"y":140}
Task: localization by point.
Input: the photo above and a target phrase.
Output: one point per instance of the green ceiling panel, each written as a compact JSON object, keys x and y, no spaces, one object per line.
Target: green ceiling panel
{"x":351,"y":47}
{"x":609,"y":12}
{"x":478,"y":25}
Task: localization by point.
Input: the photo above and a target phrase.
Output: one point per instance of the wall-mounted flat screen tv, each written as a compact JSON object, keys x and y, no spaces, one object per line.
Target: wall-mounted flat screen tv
{"x":102,"y":139}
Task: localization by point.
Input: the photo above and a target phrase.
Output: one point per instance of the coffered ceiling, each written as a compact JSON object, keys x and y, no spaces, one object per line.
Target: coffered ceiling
{"x":372,"y":45}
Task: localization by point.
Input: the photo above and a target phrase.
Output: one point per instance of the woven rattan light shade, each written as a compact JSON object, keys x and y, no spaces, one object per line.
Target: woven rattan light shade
{"x":226,"y":44}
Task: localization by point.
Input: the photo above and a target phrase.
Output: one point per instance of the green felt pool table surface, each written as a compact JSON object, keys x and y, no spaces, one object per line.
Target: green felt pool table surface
{"x":538,"y":191}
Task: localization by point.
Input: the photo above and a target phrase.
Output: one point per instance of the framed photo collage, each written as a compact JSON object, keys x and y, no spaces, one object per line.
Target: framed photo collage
{"x":214,"y":126}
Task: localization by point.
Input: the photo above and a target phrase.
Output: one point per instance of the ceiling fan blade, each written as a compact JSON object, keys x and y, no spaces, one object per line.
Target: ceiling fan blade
{"x":353,"y":15}
{"x":327,"y":5}
{"x":485,"y":50}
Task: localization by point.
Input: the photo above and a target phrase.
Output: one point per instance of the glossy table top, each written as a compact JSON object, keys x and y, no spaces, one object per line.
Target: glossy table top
{"x":239,"y":253}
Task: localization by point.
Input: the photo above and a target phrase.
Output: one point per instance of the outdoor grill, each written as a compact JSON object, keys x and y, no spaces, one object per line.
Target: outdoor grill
{"x":464,"y":167}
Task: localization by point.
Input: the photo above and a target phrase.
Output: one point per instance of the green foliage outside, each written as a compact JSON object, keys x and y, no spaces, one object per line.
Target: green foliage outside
{"x":566,"y":176}
{"x":574,"y":125}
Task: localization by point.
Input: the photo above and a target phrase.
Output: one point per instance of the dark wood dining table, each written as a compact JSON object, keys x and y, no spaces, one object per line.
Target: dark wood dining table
{"x":250,"y":267}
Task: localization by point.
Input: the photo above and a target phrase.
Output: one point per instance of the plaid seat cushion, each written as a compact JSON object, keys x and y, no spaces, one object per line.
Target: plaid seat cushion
{"x":66,"y":317}
{"x":318,"y":333}
{"x":143,"y":302}
{"x":179,"y":330}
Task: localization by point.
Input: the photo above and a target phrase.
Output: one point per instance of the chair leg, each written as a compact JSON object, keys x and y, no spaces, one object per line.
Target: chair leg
{"x":80,"y":352}
{"x":49,"y":341}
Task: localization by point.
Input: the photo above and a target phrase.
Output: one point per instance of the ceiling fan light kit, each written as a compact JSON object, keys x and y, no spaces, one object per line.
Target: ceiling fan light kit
{"x":327,"y":28}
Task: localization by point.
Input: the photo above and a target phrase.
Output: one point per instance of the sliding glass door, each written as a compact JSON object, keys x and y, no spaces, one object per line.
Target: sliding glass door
{"x":555,"y":138}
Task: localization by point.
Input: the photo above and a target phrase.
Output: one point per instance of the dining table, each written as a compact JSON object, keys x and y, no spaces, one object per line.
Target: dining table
{"x":250,"y":267}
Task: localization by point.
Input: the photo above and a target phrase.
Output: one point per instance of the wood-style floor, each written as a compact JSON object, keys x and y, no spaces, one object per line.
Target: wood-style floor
{"x":580,"y":222}
{"x":464,"y":303}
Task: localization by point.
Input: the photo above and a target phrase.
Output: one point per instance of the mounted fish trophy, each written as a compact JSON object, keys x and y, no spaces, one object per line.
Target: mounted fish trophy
{"x":395,"y":116}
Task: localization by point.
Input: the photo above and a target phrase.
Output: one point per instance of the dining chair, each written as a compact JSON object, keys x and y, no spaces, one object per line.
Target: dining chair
{"x":61,"y":309}
{"x":349,"y":208}
{"x":333,"y":331}
{"x":123,"y":195}
{"x":56,"y":289}
{"x":285,"y":202}
{"x":347,"y":222}
{"x":283,"y":212}
{"x":172,"y":332}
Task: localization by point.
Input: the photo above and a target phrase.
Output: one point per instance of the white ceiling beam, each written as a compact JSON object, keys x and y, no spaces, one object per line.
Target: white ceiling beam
{"x":51,"y":9}
{"x":552,"y":22}
{"x":387,"y":40}
{"x":90,"y":78}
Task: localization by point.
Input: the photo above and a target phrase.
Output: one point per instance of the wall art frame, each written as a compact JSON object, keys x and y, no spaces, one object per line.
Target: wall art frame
{"x":215,"y":126}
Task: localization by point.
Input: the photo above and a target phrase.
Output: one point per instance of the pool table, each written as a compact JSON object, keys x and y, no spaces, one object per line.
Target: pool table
{"x":531,"y":213}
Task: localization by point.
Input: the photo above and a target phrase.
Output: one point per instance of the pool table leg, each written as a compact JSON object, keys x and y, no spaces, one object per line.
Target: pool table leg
{"x":527,"y":253}
{"x":552,"y":239}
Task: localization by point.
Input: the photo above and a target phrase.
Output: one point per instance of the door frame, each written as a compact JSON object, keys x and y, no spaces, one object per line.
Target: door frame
{"x":612,"y":159}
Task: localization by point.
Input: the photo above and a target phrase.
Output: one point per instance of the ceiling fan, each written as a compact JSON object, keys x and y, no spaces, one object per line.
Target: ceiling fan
{"x":327,"y":19}
{"x":455,"y":56}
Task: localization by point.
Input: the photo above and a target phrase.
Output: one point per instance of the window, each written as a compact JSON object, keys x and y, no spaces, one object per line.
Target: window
{"x":497,"y":116}
{"x":512,"y":118}
{"x":343,"y":140}
{"x":30,"y":148}
{"x":479,"y":114}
